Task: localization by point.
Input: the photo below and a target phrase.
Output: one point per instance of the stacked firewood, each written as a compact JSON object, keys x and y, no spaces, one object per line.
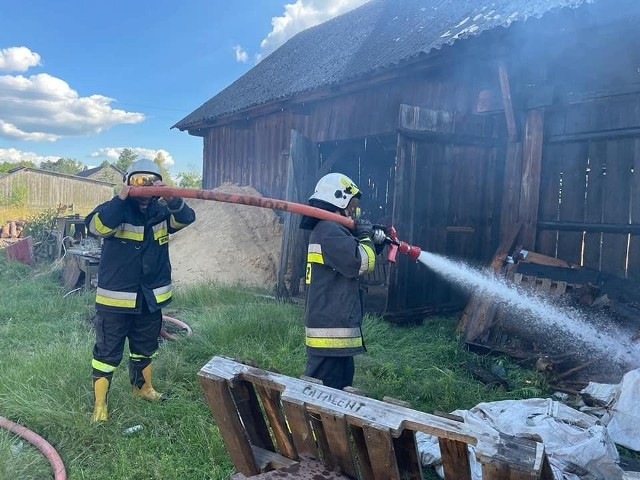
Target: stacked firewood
{"x":12,"y":229}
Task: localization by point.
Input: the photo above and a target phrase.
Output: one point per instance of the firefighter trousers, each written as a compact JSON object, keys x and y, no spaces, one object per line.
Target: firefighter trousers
{"x":112,"y":329}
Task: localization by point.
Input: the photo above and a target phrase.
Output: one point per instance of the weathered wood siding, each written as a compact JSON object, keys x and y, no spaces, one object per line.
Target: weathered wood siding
{"x":49,"y":190}
{"x":590,"y":176}
{"x":254,"y":152}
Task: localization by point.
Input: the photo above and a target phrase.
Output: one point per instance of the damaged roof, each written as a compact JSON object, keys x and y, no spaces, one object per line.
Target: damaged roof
{"x":378,"y":35}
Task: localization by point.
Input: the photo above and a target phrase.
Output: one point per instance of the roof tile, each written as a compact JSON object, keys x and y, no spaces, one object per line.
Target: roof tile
{"x":373,"y":37}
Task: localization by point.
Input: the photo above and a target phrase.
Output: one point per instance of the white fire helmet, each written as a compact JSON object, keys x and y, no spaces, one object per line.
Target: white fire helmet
{"x":142,"y":165}
{"x":336,"y":189}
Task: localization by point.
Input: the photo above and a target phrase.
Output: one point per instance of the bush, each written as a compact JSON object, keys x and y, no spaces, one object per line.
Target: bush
{"x":16,"y":197}
{"x":39,"y":225}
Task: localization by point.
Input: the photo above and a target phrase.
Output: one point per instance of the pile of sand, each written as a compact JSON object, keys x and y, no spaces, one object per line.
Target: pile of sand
{"x":228,"y":243}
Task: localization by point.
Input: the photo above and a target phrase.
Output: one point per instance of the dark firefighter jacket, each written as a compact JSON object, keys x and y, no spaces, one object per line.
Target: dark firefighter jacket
{"x":134,"y":263}
{"x":333,"y":317}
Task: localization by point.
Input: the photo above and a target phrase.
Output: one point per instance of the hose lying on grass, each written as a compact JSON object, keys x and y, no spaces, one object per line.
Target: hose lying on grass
{"x":40,"y":443}
{"x":176,"y":322}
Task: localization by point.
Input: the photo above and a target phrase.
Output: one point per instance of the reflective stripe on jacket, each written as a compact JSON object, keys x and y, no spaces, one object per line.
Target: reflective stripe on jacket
{"x":135,"y":254}
{"x":333,"y":312}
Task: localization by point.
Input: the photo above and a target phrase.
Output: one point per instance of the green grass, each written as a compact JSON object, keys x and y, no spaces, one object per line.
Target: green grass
{"x":45,"y":385}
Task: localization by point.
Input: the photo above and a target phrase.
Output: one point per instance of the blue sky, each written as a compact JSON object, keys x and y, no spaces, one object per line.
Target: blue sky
{"x":85,"y":79}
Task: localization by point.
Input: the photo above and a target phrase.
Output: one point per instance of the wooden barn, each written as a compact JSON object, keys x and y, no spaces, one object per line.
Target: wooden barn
{"x":106,"y":173}
{"x":462,"y":121}
{"x":45,"y":189}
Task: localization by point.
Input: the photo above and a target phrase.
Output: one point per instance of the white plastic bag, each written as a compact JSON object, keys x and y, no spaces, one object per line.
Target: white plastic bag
{"x":623,"y":420}
{"x":578,"y":447}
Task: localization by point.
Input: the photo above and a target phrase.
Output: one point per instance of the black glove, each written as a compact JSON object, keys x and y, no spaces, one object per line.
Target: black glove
{"x":362,"y":229}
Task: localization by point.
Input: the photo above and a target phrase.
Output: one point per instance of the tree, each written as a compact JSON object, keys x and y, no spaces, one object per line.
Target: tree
{"x":125,"y":159}
{"x":6,"y":166}
{"x":160,"y":161}
{"x":190,"y":179}
{"x":70,"y":166}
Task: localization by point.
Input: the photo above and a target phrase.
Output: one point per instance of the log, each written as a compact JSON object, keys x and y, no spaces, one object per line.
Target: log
{"x":533,"y":257}
{"x":577,"y":368}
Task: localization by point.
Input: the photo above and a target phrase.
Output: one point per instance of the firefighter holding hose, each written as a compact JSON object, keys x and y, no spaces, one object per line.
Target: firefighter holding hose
{"x":134,"y":280}
{"x":336,"y":257}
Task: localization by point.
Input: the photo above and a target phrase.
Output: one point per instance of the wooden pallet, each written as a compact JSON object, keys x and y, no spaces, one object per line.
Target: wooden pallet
{"x":270,"y":421}
{"x":544,"y":285}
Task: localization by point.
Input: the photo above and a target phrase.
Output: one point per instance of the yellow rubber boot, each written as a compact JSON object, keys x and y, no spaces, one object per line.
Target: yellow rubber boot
{"x":146,"y":391}
{"x":100,"y":390}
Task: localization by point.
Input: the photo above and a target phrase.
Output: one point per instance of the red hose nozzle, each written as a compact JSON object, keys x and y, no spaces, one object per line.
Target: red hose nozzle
{"x":396,"y":245}
{"x":413,"y":252}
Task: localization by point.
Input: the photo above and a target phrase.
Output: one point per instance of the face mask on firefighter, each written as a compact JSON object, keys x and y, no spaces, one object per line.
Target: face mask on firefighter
{"x":143,"y":179}
{"x":353,"y":209}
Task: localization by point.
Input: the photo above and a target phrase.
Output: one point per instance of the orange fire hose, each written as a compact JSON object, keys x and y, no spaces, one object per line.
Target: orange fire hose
{"x":262,"y":202}
{"x":395,"y":245}
{"x":40,"y":443}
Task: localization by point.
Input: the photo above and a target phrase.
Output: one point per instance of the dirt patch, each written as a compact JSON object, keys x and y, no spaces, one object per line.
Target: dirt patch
{"x":228,"y":243}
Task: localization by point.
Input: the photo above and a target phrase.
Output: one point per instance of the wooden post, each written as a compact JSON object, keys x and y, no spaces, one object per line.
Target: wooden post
{"x":531,"y":170}
{"x":513,"y":158}
{"x":523,"y":164}
{"x":301,"y":175}
{"x":287,"y":229}
{"x":505,"y":88}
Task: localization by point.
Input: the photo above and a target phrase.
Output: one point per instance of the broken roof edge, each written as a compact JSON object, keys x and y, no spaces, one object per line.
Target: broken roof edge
{"x":225,"y":117}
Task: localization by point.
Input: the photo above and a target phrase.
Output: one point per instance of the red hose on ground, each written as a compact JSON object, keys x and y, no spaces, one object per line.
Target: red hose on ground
{"x":262,"y":202}
{"x":50,"y":453}
{"x":177,"y":322}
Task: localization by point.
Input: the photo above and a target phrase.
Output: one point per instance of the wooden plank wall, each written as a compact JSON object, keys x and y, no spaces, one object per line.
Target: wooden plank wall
{"x":251,"y":152}
{"x":48,"y":190}
{"x":590,"y":175}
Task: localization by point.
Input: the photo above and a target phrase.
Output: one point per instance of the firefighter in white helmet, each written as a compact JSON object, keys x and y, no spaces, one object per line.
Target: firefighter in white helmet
{"x":336,"y":257}
{"x":134,"y":280}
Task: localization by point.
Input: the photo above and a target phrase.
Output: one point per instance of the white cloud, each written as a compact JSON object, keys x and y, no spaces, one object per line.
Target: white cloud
{"x":11,"y":155}
{"x":302,"y":15}
{"x":112,"y":153}
{"x":18,"y":59}
{"x":241,"y":54}
{"x":45,"y":108}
